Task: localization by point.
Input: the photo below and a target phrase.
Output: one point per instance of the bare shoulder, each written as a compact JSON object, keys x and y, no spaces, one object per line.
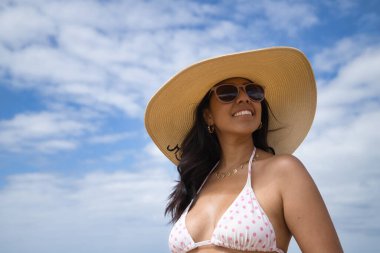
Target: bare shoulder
{"x":305,"y":213}
{"x":285,"y":161}
{"x":285,"y":167}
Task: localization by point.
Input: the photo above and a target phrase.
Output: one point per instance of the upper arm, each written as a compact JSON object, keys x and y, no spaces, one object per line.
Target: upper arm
{"x":304,"y":210}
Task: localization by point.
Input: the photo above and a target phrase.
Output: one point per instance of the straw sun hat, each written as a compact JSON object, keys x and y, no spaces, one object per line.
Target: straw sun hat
{"x":290,"y":90}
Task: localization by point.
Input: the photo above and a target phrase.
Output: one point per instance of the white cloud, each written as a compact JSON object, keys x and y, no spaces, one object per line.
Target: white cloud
{"x":105,"y":98}
{"x":91,"y":46}
{"x":128,"y":15}
{"x":111,"y":138}
{"x":136,"y":157}
{"x":108,"y":209}
{"x":292,"y":17}
{"x":341,"y":7}
{"x":120,"y":155}
{"x":24,"y":25}
{"x":155,"y":154}
{"x":107,"y":57}
{"x":42,"y":131}
{"x":344,"y":50}
{"x":50,"y":146}
{"x":285,"y":16}
{"x":104,"y":56}
{"x":50,"y":65}
{"x":354,"y":90}
{"x":112,"y":56}
{"x":341,"y":151}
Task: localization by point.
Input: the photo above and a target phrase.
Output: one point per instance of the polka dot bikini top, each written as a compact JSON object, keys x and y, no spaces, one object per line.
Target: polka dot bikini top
{"x":243,"y":226}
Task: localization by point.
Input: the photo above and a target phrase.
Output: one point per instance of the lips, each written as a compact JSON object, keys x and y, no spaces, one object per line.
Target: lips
{"x":243,"y":113}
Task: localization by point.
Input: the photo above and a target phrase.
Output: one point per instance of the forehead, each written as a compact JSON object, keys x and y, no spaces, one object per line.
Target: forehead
{"x":234,"y":80}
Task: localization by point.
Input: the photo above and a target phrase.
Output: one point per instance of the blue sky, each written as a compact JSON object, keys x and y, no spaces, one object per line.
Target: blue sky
{"x":78,"y":172}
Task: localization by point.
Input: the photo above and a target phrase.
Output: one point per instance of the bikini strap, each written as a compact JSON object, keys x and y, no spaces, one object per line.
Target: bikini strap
{"x":249,"y":170}
{"x":200,"y":188}
{"x":204,"y":181}
{"x":250,"y":166}
{"x":216,"y":165}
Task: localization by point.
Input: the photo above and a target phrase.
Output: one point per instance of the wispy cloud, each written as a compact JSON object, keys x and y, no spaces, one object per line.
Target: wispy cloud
{"x":24,"y":24}
{"x":43,"y":131}
{"x":355,"y":89}
{"x":108,"y":209}
{"x":294,"y":17}
{"x":341,"y":7}
{"x":332,"y":58}
{"x":111,"y":138}
{"x":71,"y":55}
{"x":120,"y":60}
{"x":90,"y":62}
{"x":341,"y":149}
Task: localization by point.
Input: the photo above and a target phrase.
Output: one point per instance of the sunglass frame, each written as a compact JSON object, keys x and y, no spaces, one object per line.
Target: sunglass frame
{"x":238,"y":87}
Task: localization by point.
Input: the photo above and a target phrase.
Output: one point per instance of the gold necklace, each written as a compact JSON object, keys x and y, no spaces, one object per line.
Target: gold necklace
{"x":234,"y":171}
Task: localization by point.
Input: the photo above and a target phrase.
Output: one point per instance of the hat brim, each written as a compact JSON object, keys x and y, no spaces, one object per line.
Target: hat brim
{"x":290,"y":90}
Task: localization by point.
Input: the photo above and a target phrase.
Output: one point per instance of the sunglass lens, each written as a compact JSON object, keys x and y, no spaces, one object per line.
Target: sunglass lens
{"x":255,"y":92}
{"x":227,"y":93}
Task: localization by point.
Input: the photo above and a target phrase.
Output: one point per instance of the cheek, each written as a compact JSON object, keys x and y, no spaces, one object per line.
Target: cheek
{"x":218,"y":111}
{"x":259,"y":111}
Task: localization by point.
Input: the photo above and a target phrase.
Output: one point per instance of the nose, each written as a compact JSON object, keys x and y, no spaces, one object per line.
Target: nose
{"x":242,"y":97}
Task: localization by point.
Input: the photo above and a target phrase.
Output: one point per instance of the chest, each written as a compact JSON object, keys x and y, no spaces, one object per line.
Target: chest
{"x":232,"y":204}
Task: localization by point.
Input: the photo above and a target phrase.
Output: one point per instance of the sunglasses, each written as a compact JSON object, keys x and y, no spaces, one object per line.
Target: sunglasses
{"x":227,"y":93}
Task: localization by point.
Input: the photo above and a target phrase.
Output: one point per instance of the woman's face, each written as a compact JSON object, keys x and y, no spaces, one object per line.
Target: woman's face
{"x":240,"y":117}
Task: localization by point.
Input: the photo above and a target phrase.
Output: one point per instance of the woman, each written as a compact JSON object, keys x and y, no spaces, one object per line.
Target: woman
{"x":230,"y":124}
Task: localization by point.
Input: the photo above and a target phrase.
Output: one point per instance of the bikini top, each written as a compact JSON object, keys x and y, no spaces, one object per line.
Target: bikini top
{"x":243,"y":226}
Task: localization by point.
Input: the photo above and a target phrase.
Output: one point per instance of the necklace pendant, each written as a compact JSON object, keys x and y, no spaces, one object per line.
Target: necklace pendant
{"x":235,"y":171}
{"x":220,"y":175}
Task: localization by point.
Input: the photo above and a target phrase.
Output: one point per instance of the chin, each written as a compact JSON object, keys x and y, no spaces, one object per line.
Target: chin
{"x":243,"y":132}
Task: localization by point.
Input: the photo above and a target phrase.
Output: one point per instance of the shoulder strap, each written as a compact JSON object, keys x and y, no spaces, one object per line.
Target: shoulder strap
{"x":213,"y":168}
{"x":200,"y":188}
{"x":250,"y":166}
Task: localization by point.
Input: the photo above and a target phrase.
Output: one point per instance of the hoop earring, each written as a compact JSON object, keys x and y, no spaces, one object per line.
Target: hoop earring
{"x":210,"y":128}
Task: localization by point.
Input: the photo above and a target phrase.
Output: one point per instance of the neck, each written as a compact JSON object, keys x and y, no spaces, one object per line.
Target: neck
{"x":235,"y":150}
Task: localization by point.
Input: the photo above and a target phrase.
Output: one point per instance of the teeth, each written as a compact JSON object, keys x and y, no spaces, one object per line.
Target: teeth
{"x":241,"y":113}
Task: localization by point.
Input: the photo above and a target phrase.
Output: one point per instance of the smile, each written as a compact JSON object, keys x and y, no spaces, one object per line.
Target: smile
{"x":242,"y":113}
